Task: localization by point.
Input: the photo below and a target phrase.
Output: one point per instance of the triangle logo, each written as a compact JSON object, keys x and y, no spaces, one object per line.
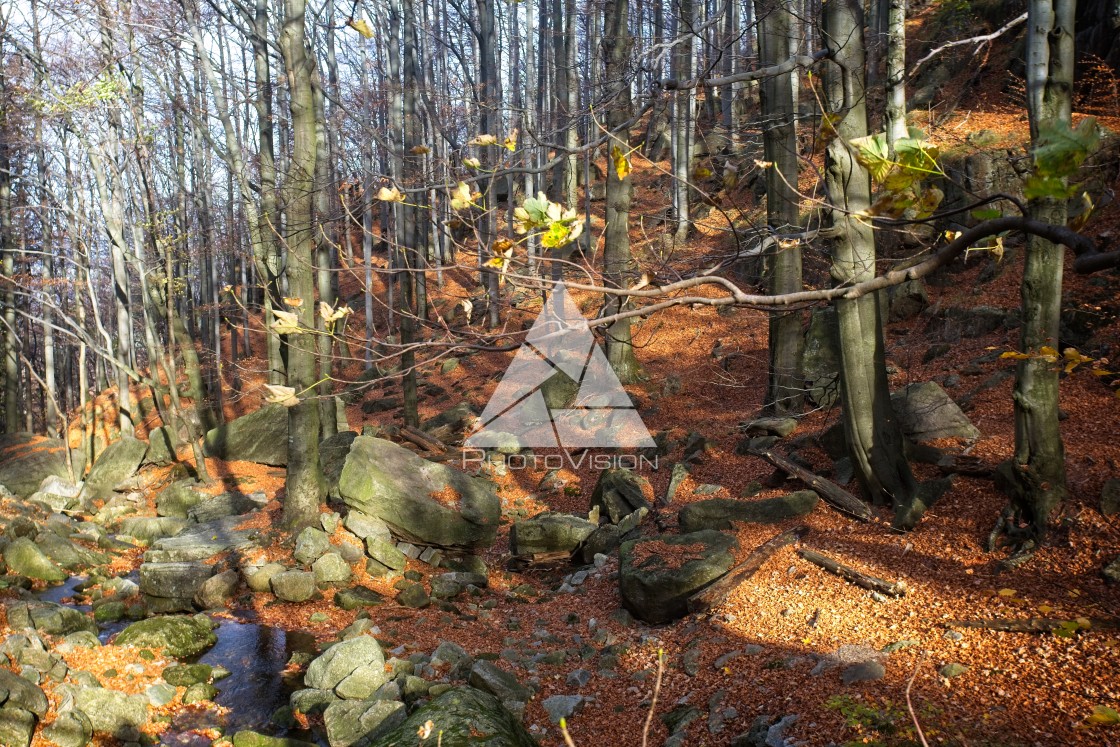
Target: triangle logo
{"x":560,"y":346}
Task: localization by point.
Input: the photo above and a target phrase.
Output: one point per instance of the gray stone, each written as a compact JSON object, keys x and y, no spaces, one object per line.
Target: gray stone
{"x":25,"y":558}
{"x":385,"y":553}
{"x":366,"y":526}
{"x":49,"y":618}
{"x":162,"y":443}
{"x":357,"y":598}
{"x":253,"y":739}
{"x":395,"y":485}
{"x":926,"y":412}
{"x":80,"y":639}
{"x":332,"y":457}
{"x":111,"y":712}
{"x":618,"y":493}
{"x":58,"y":493}
{"x":179,"y":636}
{"x":331,"y":570}
{"x":260,"y":437}
{"x":147,"y":529}
{"x":443,"y":588}
{"x":413,"y":595}
{"x":17,"y":726}
{"x":27,"y":460}
{"x":361,"y":722}
{"x":16,"y":692}
{"x":174,"y":580}
{"x":217,"y":590}
{"x":562,"y":706}
{"x":311,"y":544}
{"x":201,"y":541}
{"x":780,"y":427}
{"x":179,"y":497}
{"x":312,"y":700}
{"x":67,"y":554}
{"x":723,"y":513}
{"x":907,"y":300}
{"x":866,"y":671}
{"x":117,"y":463}
{"x":200,"y":692}
{"x":355,"y":666}
{"x":489,"y":678}
{"x":466,"y":717}
{"x":185,"y":675}
{"x":657,"y":575}
{"x":951,"y":670}
{"x":293,"y":586}
{"x":453,"y":655}
{"x":1110,"y":497}
{"x":1111,"y":571}
{"x":70,"y":729}
{"x":549,"y":532}
{"x":223,"y":505}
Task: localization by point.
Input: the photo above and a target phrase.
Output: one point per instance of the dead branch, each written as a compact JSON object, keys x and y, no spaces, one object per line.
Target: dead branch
{"x":833,"y":494}
{"x":859,"y":578}
{"x":715,"y":593}
{"x":977,"y":40}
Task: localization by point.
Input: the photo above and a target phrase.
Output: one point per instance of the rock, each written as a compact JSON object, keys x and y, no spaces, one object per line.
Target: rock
{"x":80,"y":639}
{"x":223,"y":505}
{"x":69,"y":729}
{"x":185,"y":675}
{"x":147,"y":529}
{"x":174,"y":580}
{"x":58,"y":493}
{"x":27,"y":460}
{"x":179,"y":497}
{"x":395,"y":485}
{"x":780,"y":427}
{"x":820,"y":361}
{"x":386,"y":553}
{"x":17,"y":726}
{"x":489,"y":678}
{"x":162,"y":443}
{"x":331,"y":570}
{"x":721,"y":513}
{"x":549,"y":532}
{"x":1110,"y":497}
{"x":49,"y":618}
{"x":332,"y":458}
{"x":357,"y":598}
{"x":253,"y":739}
{"x":16,"y":692}
{"x":562,"y":706}
{"x":1111,"y":572}
{"x":111,"y":712}
{"x":413,"y":595}
{"x":866,"y":671}
{"x":657,"y":575}
{"x":352,"y":722}
{"x":355,"y":666}
{"x":180,"y":636}
{"x":949,"y":671}
{"x":115,"y":465}
{"x":199,"y":692}
{"x":849,"y":655}
{"x":201,"y":541}
{"x":365,"y":526}
{"x":618,"y":493}
{"x":260,"y":437}
{"x":311,"y":700}
{"x":293,"y":586}
{"x":907,"y":300}
{"x":454,"y":655}
{"x":26,"y":559}
{"x":310,"y":544}
{"x":216,"y":590}
{"x":466,"y":717}
{"x":926,"y":412}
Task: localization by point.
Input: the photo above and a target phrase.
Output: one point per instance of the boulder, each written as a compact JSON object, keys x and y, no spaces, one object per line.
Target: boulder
{"x":223,"y":505}
{"x":1110,"y":497}
{"x":331,"y":570}
{"x":216,"y":590}
{"x":466,"y":717}
{"x":115,"y":465}
{"x":260,"y":437}
{"x":49,"y":618}
{"x":174,"y":580}
{"x":358,"y":598}
{"x":907,"y":300}
{"x":180,"y":636}
{"x":354,"y":668}
{"x":926,"y":412}
{"x":26,"y":559}
{"x":70,"y":729}
{"x":201,"y":541}
{"x":722,"y":513}
{"x":618,"y":493}
{"x":657,"y":575}
{"x":111,"y":712}
{"x":162,"y":443}
{"x":180,"y":497}
{"x":332,"y":458}
{"x":310,"y":544}
{"x":549,"y":532}
{"x":490,"y":678}
{"x":27,"y":460}
{"x":366,"y":526}
{"x":253,"y":739}
{"x":58,"y":493}
{"x":67,"y":554}
{"x":17,"y":726}
{"x":362,"y":722}
{"x":395,"y":485}
{"x":260,"y":579}
{"x":293,"y":586}
{"x":148,"y":529}
{"x":16,"y":692}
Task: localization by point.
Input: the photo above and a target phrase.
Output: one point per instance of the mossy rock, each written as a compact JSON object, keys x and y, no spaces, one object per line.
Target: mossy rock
{"x":179,"y":636}
{"x":466,"y":717}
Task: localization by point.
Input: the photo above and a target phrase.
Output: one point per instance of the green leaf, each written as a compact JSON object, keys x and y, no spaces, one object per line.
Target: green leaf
{"x":987,"y":214}
{"x":1104,"y":716}
{"x":872,"y":152}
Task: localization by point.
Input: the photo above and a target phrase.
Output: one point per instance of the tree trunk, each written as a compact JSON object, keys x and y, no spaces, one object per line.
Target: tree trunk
{"x":304,"y":479}
{"x":896,"y":72}
{"x":874,"y":437}
{"x":682,"y":121}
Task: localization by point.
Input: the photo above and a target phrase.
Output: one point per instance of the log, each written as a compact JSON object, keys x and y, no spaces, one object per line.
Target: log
{"x":422,"y":439}
{"x":538,"y":560}
{"x":858,"y":578}
{"x":714,"y":594}
{"x":1036,"y":624}
{"x":833,"y":494}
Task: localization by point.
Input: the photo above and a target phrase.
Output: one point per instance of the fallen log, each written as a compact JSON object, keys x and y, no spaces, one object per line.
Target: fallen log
{"x":833,"y":494}
{"x":1036,"y":624}
{"x":714,"y":593}
{"x":850,"y":574}
{"x":422,"y":439}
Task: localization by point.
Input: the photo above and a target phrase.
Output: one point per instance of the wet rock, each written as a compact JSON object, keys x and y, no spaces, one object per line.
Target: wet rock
{"x":926,"y":412}
{"x":217,"y":590}
{"x":174,"y":580}
{"x":395,"y":485}
{"x":293,"y":586}
{"x":355,"y":667}
{"x":253,"y":739}
{"x":350,"y":722}
{"x":260,"y":437}
{"x":117,"y":463}
{"x":331,"y":570}
{"x":199,"y":692}
{"x":26,"y":559}
{"x":467,"y":718}
{"x":179,"y":636}
{"x":549,"y":532}
{"x":721,"y":513}
{"x":185,"y":675}
{"x":49,"y":618}
{"x":657,"y":575}
{"x":618,"y":493}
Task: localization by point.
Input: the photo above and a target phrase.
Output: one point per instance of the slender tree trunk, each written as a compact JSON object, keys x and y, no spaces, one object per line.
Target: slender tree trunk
{"x":896,"y":72}
{"x":682,"y":121}
{"x":874,"y":437}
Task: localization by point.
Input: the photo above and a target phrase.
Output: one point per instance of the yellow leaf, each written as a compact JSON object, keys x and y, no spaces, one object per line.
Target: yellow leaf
{"x":510,"y":143}
{"x":1103,"y":716}
{"x":1016,"y":355}
{"x":1045,"y":609}
{"x":701,"y":172}
{"x":361,"y":27}
{"x":461,"y":197}
{"x":472,"y":163}
{"x":1084,"y":622}
{"x":293,"y":302}
{"x":1048,"y":353}
{"x":420,"y":150}
{"x":285,"y":323}
{"x":390,"y":194}
{"x":280,"y":395}
{"x":621,"y":163}
{"x":483,"y":140}
{"x":1007,"y":592}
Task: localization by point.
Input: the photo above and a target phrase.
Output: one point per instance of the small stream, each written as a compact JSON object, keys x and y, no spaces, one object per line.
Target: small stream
{"x":255,"y":655}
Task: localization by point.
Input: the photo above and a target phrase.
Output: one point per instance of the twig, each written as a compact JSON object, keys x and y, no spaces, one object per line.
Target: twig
{"x":653,"y":702}
{"x":858,"y":578}
{"x":910,"y":706}
{"x":564,"y":731}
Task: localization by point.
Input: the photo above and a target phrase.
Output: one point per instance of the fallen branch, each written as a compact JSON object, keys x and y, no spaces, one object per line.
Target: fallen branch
{"x":1035,"y":624}
{"x":422,"y":439}
{"x":713,"y":594}
{"x":977,"y":40}
{"x":859,"y":578}
{"x":833,"y":494}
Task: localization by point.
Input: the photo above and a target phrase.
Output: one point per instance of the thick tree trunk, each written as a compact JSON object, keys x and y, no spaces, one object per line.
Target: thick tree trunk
{"x":304,"y":482}
{"x":874,"y":437}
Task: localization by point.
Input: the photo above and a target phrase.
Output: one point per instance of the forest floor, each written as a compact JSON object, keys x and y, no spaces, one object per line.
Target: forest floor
{"x":756,"y":653}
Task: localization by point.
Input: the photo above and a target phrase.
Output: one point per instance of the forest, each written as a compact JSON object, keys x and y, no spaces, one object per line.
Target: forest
{"x":559,"y":372}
